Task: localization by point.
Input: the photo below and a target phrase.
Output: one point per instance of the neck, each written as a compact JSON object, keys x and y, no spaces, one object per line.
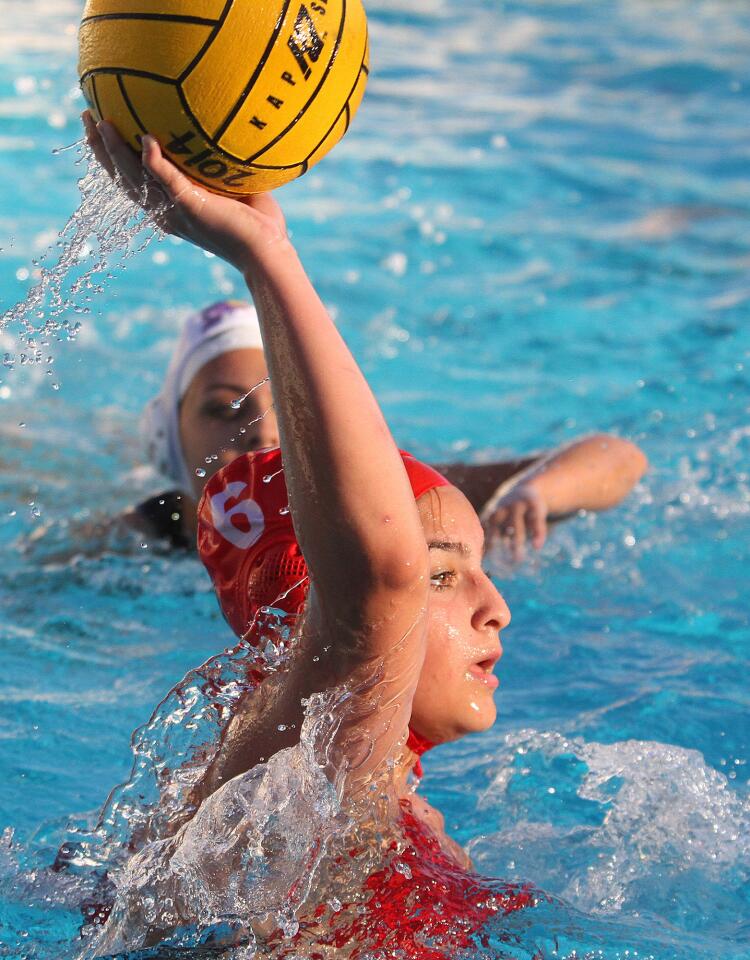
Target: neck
{"x":404,"y":767}
{"x":410,"y":760}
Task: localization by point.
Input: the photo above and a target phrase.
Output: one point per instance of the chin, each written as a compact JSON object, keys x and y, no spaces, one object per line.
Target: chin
{"x":477,"y":721}
{"x":473,"y":721}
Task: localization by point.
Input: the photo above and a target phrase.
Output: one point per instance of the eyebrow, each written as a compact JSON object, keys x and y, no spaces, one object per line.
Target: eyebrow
{"x":233,"y":387}
{"x":452,"y":546}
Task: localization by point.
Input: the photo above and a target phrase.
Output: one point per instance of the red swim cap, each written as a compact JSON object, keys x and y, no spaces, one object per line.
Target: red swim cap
{"x":247,"y":542}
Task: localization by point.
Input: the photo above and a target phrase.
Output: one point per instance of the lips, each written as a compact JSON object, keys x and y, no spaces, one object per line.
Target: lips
{"x":483,"y":676}
{"x":481,"y":671}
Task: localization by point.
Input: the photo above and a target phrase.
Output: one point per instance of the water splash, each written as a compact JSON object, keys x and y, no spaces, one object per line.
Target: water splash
{"x":244,"y":865}
{"x":106,"y":230}
{"x":624,"y":829}
{"x":237,"y":403}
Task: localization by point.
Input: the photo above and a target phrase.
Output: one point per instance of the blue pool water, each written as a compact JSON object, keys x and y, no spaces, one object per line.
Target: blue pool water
{"x":537,"y":227}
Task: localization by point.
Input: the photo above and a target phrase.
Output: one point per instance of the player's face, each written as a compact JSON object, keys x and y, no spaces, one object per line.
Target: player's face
{"x":455,"y":693}
{"x":211,"y":428}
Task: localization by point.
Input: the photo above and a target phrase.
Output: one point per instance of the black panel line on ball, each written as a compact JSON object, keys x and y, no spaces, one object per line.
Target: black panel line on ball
{"x":129,"y":103}
{"x":127,"y":72}
{"x":343,"y":109}
{"x":201,"y":131}
{"x":315,"y":92}
{"x":256,"y":73}
{"x":96,"y":97}
{"x":218,"y":24}
{"x":166,"y":17}
{"x":286,"y":166}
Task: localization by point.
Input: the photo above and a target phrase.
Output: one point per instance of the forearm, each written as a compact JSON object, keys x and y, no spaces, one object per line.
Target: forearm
{"x":594,"y":473}
{"x":334,"y":438}
{"x":479,"y":481}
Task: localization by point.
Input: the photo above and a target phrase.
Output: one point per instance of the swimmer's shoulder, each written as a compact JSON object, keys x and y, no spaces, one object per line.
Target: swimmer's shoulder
{"x":435,"y":822}
{"x":169,"y":516}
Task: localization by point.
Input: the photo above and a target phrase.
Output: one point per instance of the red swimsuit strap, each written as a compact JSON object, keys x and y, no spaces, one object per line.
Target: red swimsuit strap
{"x":419,"y":745}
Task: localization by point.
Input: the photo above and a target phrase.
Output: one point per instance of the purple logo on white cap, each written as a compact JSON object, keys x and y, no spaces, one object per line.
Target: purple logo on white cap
{"x":216,"y":312}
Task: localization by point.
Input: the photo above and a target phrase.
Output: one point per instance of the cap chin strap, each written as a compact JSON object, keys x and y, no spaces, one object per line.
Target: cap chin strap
{"x":419,"y":745}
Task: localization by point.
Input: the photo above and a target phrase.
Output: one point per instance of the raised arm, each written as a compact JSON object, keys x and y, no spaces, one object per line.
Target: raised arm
{"x":352,"y":505}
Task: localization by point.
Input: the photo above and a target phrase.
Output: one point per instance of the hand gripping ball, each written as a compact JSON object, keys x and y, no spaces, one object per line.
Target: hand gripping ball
{"x":243,"y":95}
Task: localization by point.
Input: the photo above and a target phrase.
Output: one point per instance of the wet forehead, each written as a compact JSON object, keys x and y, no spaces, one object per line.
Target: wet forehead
{"x":245,"y":366}
{"x":448,"y":518}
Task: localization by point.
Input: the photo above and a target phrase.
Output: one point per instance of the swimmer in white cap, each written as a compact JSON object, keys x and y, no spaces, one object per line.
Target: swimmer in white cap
{"x":215,"y":404}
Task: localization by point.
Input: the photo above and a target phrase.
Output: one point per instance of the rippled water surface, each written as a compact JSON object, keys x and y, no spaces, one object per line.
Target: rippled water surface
{"x":537,"y":227}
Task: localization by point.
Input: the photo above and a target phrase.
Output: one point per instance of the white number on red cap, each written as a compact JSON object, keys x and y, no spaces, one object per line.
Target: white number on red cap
{"x":223,"y":519}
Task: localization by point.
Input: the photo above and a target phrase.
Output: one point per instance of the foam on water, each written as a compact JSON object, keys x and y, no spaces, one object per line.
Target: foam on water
{"x":652,"y":824}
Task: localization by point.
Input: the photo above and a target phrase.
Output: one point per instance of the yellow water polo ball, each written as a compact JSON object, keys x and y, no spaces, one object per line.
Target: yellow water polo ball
{"x":243,"y":95}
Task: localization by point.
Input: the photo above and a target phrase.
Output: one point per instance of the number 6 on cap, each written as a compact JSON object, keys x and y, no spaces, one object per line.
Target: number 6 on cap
{"x":223,"y":519}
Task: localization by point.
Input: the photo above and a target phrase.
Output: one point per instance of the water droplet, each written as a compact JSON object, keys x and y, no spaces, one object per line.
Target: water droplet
{"x":175,"y":516}
{"x":403,"y":868}
{"x":12,"y":513}
{"x":236,"y":404}
{"x":281,"y":727}
{"x":200,"y":472}
{"x":284,"y":511}
{"x":144,"y":546}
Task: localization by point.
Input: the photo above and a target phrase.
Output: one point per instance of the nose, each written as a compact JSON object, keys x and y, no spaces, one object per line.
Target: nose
{"x":491,"y":611}
{"x":262,"y":432}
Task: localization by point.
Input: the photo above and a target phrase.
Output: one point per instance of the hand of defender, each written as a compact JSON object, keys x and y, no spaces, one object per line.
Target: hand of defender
{"x":520,"y":513}
{"x":237,"y":230}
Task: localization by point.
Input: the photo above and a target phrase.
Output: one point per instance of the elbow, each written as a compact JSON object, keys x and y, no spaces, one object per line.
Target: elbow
{"x":631,"y":459}
{"x":628,"y":461}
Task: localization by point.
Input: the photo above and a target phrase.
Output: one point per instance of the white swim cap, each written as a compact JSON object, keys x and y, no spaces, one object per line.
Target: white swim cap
{"x":224,"y":326}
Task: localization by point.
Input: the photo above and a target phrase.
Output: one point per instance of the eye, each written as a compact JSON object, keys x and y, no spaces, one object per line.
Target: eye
{"x":223,"y":411}
{"x":442,"y":579}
